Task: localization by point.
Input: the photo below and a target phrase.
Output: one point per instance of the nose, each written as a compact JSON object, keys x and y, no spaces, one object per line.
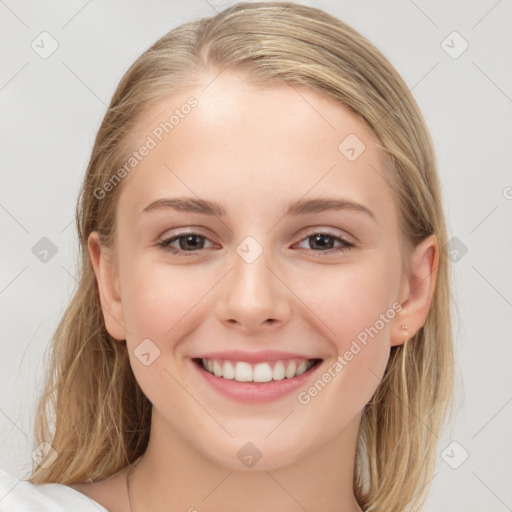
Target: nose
{"x":253,"y":296}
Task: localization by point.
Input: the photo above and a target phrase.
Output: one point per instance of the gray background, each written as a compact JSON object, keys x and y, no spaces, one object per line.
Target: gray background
{"x":51,"y":109}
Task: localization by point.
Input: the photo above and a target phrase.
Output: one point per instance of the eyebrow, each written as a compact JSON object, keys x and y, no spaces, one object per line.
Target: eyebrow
{"x":301,"y":207}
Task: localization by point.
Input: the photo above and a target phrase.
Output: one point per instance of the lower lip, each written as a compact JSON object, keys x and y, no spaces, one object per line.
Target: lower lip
{"x":255,"y":392}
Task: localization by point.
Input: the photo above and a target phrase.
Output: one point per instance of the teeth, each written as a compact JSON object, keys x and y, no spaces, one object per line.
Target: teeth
{"x":290,"y":370}
{"x":217,"y":369}
{"x":301,"y":368}
{"x":278,"y":372}
{"x":228,"y":370}
{"x":242,"y":371}
{"x":262,"y":373}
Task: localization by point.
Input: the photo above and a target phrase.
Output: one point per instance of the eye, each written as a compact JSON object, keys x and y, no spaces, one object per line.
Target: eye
{"x":326,"y":241}
{"x":187,"y":242}
{"x":193,"y":242}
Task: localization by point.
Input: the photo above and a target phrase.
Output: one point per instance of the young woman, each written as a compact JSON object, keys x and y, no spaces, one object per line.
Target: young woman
{"x":262,"y":320}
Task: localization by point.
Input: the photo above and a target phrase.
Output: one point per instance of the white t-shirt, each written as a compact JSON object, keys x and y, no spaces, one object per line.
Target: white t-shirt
{"x":22,"y":496}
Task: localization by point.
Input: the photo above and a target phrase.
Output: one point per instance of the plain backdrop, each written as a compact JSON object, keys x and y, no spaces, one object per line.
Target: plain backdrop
{"x":455,"y":56}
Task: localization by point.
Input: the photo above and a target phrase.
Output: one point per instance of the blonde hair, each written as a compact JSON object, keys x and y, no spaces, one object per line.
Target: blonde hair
{"x":92,"y":411}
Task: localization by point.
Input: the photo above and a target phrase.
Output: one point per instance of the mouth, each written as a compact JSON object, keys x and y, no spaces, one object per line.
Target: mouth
{"x":257,"y":382}
{"x":269,"y":371}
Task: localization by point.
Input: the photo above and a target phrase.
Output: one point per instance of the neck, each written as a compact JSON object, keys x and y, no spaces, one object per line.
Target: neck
{"x":173,"y":476}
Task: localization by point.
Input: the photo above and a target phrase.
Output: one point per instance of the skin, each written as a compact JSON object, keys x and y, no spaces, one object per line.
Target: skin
{"x":254,"y":150}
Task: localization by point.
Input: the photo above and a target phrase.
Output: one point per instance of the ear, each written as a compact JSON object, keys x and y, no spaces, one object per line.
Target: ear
{"x":108,"y":286}
{"x":417,"y":290}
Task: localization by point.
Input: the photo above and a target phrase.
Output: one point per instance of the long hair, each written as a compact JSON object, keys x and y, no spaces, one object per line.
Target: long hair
{"x":92,"y":415}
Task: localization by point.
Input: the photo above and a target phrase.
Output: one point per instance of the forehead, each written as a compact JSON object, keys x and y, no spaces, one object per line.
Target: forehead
{"x":240,"y":144}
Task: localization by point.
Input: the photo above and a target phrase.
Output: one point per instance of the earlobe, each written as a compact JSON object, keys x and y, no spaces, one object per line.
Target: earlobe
{"x":105,"y":272}
{"x":417,"y":291}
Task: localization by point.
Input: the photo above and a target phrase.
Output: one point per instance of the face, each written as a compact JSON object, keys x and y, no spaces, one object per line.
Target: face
{"x":256,"y":284}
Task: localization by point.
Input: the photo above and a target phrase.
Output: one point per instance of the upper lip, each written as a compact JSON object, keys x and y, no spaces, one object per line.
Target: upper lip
{"x":252,"y":357}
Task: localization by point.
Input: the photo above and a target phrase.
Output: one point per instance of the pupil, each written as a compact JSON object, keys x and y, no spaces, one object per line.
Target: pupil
{"x":321,"y":237}
{"x":188,"y":239}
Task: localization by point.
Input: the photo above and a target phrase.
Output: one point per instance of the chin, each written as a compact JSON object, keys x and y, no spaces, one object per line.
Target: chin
{"x":254,"y":454}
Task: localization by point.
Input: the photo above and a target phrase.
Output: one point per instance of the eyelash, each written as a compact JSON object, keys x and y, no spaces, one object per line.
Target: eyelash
{"x":165,"y":244}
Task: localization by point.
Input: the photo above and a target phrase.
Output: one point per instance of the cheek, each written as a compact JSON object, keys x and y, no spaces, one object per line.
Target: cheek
{"x":161,"y":305}
{"x":158,"y":300}
{"x":353,"y":299}
{"x":361,"y":348}
{"x":359,"y":309}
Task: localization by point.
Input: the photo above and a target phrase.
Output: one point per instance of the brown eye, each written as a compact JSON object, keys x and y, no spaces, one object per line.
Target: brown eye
{"x":325,"y":242}
{"x":187,"y":242}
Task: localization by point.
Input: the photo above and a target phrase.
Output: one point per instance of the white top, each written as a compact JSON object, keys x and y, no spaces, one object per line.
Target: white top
{"x":22,"y":496}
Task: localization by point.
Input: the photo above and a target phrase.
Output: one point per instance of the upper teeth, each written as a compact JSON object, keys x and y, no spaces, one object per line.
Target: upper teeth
{"x":260,"y":372}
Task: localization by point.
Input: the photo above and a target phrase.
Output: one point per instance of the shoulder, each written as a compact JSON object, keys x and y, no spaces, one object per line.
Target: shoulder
{"x":22,"y":496}
{"x":110,"y":492}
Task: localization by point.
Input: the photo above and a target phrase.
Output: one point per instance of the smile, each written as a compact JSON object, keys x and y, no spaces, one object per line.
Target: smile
{"x":243,"y":371}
